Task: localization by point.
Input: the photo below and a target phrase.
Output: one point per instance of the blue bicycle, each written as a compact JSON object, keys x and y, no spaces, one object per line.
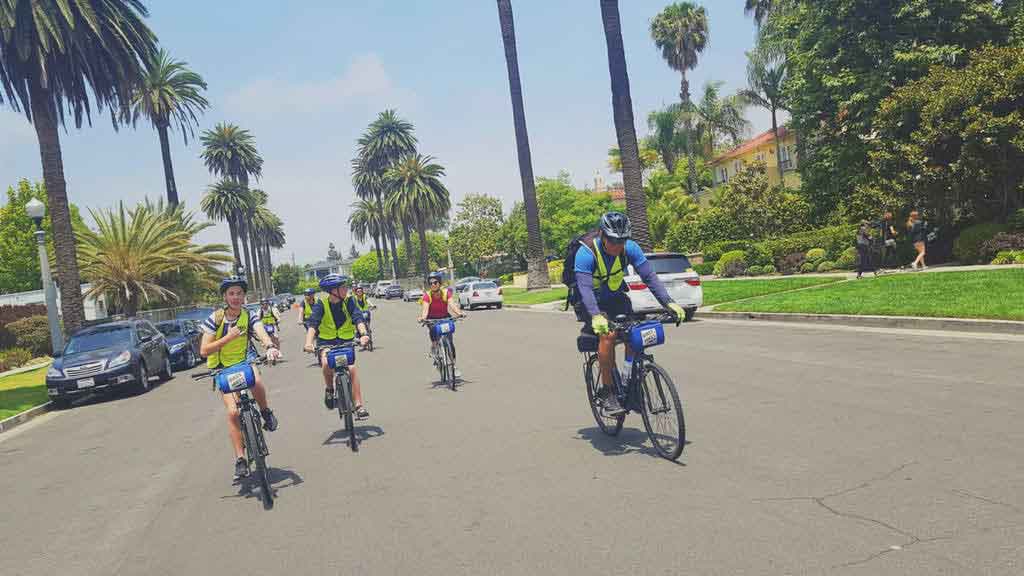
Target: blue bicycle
{"x":648,"y":390}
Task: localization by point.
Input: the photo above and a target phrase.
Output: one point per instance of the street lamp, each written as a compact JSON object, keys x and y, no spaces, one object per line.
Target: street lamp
{"x":36,"y":210}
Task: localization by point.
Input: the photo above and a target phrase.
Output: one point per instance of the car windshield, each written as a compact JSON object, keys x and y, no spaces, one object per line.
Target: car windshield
{"x":98,"y":339}
{"x":484,"y":286}
{"x":669,"y":264}
{"x":170,"y":328}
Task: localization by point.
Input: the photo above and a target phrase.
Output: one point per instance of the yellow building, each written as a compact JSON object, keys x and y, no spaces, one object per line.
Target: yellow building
{"x":760,"y":149}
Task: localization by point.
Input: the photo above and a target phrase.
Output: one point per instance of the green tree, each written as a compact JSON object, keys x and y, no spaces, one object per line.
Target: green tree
{"x":759,"y":8}
{"x":131,"y":249}
{"x":680,"y":31}
{"x":667,"y":136}
{"x":169,"y":93}
{"x":18,"y":252}
{"x":476,"y":229}
{"x":512,"y":237}
{"x":367,"y":219}
{"x":287,"y":278}
{"x":758,"y":210}
{"x":766,"y":78}
{"x":58,"y":56}
{"x":365,"y":268}
{"x":720,"y":119}
{"x":226,"y":201}
{"x":268,"y":233}
{"x":415,"y":187}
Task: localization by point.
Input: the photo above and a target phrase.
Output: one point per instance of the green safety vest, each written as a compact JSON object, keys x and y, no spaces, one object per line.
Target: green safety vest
{"x":362,"y":304}
{"x":307,"y":309}
{"x":613,"y":278}
{"x":269,"y":318}
{"x":233,"y":352}
{"x":328,"y":329}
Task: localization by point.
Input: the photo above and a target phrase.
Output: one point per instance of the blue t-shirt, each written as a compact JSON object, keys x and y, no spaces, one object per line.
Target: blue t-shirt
{"x":586,"y":264}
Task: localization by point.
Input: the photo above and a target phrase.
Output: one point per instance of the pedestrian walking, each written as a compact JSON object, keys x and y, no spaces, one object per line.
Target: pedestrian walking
{"x":864,"y":248}
{"x":887,"y":229}
{"x":918,"y":232}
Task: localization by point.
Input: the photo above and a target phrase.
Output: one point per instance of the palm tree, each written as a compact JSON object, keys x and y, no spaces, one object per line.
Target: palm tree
{"x":666,"y":136}
{"x":368,"y":186}
{"x":268,"y":233}
{"x":759,"y":8}
{"x":129,"y":251}
{"x":169,"y":92}
{"x":537,"y":276}
{"x":414,"y":185}
{"x":625,"y":129}
{"x":55,"y":56}
{"x":365,"y":220}
{"x":225,"y":201}
{"x":719,"y":117}
{"x":766,"y":77}
{"x":680,"y":31}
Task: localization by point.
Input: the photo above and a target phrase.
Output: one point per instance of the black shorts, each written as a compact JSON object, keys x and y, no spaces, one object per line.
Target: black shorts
{"x":615,"y":304}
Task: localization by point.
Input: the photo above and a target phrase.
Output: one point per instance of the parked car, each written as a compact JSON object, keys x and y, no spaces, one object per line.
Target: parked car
{"x":182,"y":337}
{"x":414,"y":295}
{"x":475,"y":294}
{"x":467,"y":280}
{"x":679,"y":278}
{"x":392,"y":291}
{"x":379,"y":287}
{"x":197,"y":314}
{"x":108,"y":357}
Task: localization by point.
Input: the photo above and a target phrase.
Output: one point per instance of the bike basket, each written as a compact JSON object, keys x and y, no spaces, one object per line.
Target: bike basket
{"x":339,"y":357}
{"x":236,"y":378}
{"x":446,"y":327}
{"x":646,"y":335}
{"x":586,"y":343}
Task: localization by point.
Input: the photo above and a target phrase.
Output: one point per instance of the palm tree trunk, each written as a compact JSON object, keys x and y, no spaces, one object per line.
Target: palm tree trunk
{"x":625,"y":129}
{"x":243,"y":233}
{"x":537,"y":275}
{"x":691,"y":169}
{"x":421,"y":228}
{"x":44,"y":119}
{"x":394,"y":253}
{"x":233,"y":230}
{"x":410,"y":268}
{"x":165,"y":151}
{"x":380,"y":259}
{"x":778,"y":148}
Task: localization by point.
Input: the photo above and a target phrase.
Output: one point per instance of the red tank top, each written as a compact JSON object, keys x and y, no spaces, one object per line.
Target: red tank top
{"x":438,"y":306}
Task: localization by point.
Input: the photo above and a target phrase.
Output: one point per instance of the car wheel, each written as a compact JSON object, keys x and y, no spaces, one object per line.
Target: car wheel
{"x":60,"y":403}
{"x":168,"y":372}
{"x":143,"y":379}
{"x":498,"y":306}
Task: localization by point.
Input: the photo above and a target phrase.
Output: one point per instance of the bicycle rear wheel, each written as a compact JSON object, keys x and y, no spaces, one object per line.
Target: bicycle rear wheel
{"x":343,"y":386}
{"x":449,"y":359}
{"x":256,"y":449}
{"x":610,"y":425}
{"x":662,"y":412}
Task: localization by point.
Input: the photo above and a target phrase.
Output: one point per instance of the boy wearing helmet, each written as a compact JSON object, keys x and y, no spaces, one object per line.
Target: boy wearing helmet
{"x":270,"y":320}
{"x":333,"y":322}
{"x":600,"y":267}
{"x":225,"y":343}
{"x":307,"y":306}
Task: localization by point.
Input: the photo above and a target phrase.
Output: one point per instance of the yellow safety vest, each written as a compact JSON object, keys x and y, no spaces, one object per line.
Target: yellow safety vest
{"x":307,"y":309}
{"x":328,"y":329}
{"x":363,"y":303}
{"x":269,"y":318}
{"x":233,"y":352}
{"x":612,"y":279}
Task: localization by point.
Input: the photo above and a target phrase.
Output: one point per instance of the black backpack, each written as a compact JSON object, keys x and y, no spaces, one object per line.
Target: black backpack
{"x":569,"y":273}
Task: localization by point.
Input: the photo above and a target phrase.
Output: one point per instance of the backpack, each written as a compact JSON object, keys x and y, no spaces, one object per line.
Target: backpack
{"x":569,"y":270}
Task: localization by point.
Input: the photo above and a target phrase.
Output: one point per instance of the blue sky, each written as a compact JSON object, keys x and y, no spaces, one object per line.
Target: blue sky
{"x":307,"y":77}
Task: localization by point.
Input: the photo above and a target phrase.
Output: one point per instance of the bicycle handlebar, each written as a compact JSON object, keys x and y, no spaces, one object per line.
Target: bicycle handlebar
{"x":432,"y":321}
{"x":623,"y":322}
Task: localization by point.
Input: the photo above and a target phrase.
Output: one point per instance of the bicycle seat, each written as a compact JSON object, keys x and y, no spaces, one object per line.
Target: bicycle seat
{"x":621,"y":319}
{"x":586,"y":343}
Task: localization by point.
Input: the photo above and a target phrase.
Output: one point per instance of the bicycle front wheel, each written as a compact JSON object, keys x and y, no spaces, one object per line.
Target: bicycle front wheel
{"x":662,"y":412}
{"x":610,"y":425}
{"x":256,"y":450}
{"x":343,"y":387}
{"x":449,"y":360}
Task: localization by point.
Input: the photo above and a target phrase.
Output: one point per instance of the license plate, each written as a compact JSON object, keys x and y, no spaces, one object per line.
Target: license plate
{"x":86,"y":382}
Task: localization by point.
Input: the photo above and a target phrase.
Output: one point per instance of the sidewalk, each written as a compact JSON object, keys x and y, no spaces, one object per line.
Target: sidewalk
{"x":853,"y":274}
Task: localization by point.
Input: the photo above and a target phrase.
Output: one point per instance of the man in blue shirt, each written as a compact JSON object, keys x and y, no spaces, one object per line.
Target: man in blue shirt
{"x":600,"y":267}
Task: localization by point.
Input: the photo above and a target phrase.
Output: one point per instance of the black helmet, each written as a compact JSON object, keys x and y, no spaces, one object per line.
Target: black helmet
{"x":234,"y":281}
{"x":310,"y":291}
{"x":332,"y":281}
{"x":616,"y":225}
{"x":434,"y":276}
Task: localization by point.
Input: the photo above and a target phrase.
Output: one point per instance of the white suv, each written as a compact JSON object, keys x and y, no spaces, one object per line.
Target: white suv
{"x":679,"y":278}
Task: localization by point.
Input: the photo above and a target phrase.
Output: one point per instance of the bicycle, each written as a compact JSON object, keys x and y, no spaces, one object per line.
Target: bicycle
{"x":237,"y":380}
{"x":444,"y":353}
{"x":369,"y":331}
{"x":339,"y":358}
{"x":648,"y":390}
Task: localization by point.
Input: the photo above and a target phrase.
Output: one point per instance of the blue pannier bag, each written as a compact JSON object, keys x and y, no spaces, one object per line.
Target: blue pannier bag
{"x":646,"y":335}
{"x":446,"y":327}
{"x":236,"y":378}
{"x":344,"y":356}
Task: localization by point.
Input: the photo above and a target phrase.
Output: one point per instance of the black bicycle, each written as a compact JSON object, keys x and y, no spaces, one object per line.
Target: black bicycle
{"x":237,"y":381}
{"x":649,"y":389}
{"x":339,"y":358}
{"x":369,"y":331}
{"x":444,"y":353}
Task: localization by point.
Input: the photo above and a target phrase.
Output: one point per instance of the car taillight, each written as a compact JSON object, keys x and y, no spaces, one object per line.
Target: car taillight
{"x":499,"y":291}
{"x":476,"y":294}
{"x":693,"y":281}
{"x":637,"y":286}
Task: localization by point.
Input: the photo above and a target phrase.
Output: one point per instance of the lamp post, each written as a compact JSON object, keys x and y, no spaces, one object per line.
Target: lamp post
{"x":36,"y":210}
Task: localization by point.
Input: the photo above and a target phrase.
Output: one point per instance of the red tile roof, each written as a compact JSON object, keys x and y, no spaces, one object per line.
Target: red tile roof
{"x":759,"y":140}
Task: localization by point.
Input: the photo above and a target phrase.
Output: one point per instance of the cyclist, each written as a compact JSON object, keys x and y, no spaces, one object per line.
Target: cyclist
{"x":438,"y":303}
{"x":364,"y":304}
{"x":307,"y":306}
{"x":271,"y":321}
{"x":226,"y":335}
{"x":600,"y":265}
{"x":334,"y":322}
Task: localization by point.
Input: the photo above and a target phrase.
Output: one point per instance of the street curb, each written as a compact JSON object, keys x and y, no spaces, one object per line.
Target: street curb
{"x":19,"y":419}
{"x":905,"y":322}
{"x":23,"y":369}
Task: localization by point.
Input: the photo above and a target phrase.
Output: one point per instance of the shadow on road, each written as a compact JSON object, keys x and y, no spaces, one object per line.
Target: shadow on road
{"x":249,"y":487}
{"x":629,"y":441}
{"x":363,"y":433}
{"x":438,"y":384}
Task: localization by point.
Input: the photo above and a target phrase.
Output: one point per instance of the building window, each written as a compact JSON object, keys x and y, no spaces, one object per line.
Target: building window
{"x":785,"y":160}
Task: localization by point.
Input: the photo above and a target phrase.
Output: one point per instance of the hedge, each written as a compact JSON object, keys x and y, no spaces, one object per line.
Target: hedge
{"x":11,"y":314}
{"x":968,"y":247}
{"x":33,"y":334}
{"x":731,"y":264}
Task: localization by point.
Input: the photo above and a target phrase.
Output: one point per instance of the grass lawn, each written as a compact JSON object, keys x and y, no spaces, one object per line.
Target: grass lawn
{"x":995,"y":294}
{"x":718,"y":291}
{"x":521,"y":296}
{"x":22,"y":391}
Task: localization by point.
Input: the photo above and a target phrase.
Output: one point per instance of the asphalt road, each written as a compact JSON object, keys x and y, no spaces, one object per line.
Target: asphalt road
{"x":813,"y":451}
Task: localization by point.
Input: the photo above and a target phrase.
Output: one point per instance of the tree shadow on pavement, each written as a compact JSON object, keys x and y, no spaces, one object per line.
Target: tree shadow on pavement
{"x":363,"y":433}
{"x":629,"y":441}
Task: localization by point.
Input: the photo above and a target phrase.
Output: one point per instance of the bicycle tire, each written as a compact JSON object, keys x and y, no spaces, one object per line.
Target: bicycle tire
{"x":609,"y":425}
{"x":250,"y":431}
{"x":662,"y":398}
{"x":449,"y":353}
{"x":343,"y":386}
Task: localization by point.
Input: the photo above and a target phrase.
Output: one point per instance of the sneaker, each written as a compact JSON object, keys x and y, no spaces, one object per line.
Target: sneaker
{"x":329,"y":399}
{"x":241,"y":468}
{"x":269,"y":420}
{"x":362,"y":412}
{"x":458,"y":374}
{"x":612,"y":406}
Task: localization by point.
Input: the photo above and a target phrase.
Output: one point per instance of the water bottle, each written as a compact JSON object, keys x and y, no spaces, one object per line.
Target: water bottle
{"x":627,"y":368}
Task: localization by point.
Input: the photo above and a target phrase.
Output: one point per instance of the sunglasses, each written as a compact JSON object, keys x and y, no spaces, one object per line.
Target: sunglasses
{"x":432,"y":282}
{"x":616,"y":241}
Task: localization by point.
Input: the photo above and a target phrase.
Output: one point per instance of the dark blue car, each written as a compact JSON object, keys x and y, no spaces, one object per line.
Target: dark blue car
{"x":183,"y":338}
{"x":197,"y":314}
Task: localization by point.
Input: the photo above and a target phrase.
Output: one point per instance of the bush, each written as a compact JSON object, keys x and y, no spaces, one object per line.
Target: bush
{"x":848,"y":259}
{"x":555,"y":271}
{"x":826,"y":266}
{"x":807,"y":267}
{"x":13,"y":358}
{"x":731,"y":264}
{"x":791,"y":263}
{"x":968,"y":247}
{"x":1017,"y":220}
{"x":1002,"y":242}
{"x":33,"y":334}
{"x":754,"y":270}
{"x":768,"y":269}
{"x":506,"y":279}
{"x":1009,"y":257}
{"x":816,"y":255}
{"x":704,"y":269}
{"x":714,"y":250}
{"x":833,"y":240}
{"x":11,"y":314}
